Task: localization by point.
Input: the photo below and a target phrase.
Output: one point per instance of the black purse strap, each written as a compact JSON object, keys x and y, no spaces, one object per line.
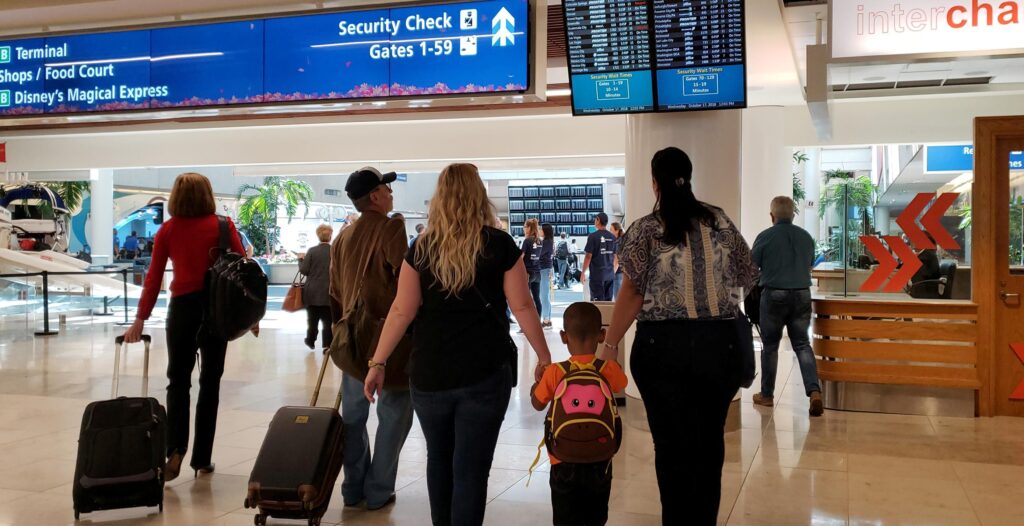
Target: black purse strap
{"x":225,"y":243}
{"x":488,"y":306}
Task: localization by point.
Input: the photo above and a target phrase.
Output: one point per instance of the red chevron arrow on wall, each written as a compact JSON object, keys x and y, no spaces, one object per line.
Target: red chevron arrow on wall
{"x":910,"y":264}
{"x":933,"y":225}
{"x":886,"y":264}
{"x":908,"y":221}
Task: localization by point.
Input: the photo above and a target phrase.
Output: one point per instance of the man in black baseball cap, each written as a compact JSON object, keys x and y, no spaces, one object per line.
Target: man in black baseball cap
{"x":365,"y":180}
{"x":365,"y":262}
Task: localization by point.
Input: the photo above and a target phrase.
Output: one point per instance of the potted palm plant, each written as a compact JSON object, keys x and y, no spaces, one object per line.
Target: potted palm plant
{"x":258,"y":213}
{"x":854,"y":196}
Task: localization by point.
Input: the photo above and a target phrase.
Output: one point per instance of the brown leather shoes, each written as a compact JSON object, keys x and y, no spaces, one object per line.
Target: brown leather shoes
{"x":173,"y":467}
{"x":761,"y":399}
{"x":817,"y":407}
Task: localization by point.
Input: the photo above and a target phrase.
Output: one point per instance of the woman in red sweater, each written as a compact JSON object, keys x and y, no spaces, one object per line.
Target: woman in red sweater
{"x":189,"y":239}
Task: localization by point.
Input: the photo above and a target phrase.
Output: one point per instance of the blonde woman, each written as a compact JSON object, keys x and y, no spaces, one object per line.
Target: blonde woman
{"x":456,"y":282}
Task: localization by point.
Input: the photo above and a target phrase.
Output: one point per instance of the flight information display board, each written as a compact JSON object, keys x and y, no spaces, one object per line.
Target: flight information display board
{"x":429,"y":50}
{"x":699,"y":54}
{"x":609,"y":55}
{"x":695,"y":55}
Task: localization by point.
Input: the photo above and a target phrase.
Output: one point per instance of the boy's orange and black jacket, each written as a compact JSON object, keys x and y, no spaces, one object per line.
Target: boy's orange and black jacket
{"x":545,"y":389}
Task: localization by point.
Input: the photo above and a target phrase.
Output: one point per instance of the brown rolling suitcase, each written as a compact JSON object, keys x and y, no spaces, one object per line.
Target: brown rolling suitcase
{"x":298,"y":462}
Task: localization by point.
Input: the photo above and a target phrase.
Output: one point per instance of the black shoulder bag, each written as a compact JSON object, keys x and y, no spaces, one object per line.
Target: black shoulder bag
{"x":513,"y":351}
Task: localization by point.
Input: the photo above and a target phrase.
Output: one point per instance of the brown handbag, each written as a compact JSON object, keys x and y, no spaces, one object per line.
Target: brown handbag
{"x":293,"y":299}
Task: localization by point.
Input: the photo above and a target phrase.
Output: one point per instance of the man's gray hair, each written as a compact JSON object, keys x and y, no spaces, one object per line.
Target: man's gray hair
{"x":783,"y":208}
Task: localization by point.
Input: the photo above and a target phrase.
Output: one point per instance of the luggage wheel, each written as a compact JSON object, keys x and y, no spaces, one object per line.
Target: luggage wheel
{"x":77,"y":515}
{"x":314,"y":522}
{"x":259,"y":519}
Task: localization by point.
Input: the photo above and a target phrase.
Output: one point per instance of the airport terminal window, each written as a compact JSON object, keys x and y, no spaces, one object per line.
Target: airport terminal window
{"x":1016,"y":214}
{"x":898,"y":224}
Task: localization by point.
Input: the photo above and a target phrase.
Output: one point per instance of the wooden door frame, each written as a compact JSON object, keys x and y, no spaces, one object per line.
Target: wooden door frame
{"x":994,"y":138}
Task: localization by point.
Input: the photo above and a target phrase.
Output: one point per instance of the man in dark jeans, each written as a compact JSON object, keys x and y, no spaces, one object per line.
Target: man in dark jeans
{"x":785,"y":254}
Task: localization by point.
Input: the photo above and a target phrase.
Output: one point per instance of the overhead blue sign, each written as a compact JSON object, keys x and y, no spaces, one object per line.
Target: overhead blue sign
{"x":421,"y":51}
{"x":959,"y":158}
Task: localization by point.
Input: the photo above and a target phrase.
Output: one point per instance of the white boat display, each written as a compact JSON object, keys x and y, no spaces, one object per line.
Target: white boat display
{"x":16,"y":262}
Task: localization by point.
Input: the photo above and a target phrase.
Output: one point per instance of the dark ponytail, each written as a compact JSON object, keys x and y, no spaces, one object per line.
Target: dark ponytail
{"x":677,"y":207}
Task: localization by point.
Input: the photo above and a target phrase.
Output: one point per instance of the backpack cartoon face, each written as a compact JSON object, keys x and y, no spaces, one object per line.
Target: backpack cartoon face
{"x":583,"y":424}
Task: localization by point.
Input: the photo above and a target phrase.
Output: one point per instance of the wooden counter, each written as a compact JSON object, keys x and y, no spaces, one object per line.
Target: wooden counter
{"x":832,"y":281}
{"x":892,"y":339}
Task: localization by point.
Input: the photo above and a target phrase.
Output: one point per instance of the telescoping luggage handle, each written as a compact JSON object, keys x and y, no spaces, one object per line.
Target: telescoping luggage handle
{"x":119,"y":344}
{"x":320,"y":381}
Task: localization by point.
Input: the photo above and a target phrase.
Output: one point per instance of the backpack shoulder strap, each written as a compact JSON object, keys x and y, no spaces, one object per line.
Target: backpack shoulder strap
{"x":599,"y":364}
{"x":224,"y":243}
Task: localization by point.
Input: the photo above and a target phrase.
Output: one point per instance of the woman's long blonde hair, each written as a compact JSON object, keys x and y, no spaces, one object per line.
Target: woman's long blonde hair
{"x":451,"y":245}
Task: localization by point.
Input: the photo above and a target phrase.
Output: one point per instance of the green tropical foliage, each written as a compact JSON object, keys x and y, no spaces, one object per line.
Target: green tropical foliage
{"x":72,"y":192}
{"x":261,"y":205}
{"x":847,"y":191}
{"x":1016,"y":237}
{"x":799,"y":192}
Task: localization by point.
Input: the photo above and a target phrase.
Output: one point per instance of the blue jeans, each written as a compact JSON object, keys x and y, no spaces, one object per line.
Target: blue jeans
{"x":545,"y":294}
{"x":790,"y":309}
{"x":461,"y":427}
{"x":616,"y":286}
{"x":562,"y":272}
{"x":366,"y":478}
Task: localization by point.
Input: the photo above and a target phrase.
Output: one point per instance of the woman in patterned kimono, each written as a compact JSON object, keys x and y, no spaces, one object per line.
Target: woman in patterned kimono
{"x":687,"y":268}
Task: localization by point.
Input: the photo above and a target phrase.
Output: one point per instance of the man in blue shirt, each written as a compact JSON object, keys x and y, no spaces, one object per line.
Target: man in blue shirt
{"x":785,"y":253}
{"x":600,"y":260}
{"x":131,"y":245}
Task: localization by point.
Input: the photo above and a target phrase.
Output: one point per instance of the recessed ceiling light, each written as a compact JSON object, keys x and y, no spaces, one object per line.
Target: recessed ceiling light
{"x":874,"y":79}
{"x":976,"y":73}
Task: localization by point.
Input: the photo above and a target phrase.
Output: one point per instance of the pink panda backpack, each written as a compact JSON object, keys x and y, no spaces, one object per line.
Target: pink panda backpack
{"x":583,"y":424}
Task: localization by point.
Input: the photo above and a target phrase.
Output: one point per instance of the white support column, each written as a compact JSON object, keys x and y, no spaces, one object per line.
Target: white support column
{"x":713,"y":141}
{"x":101,"y":213}
{"x":812,"y":186}
{"x":767,"y":168}
{"x":883,"y":216}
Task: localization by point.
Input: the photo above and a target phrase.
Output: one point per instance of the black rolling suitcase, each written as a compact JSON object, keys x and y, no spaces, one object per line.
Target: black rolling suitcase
{"x":298,"y":462}
{"x":121,"y":449}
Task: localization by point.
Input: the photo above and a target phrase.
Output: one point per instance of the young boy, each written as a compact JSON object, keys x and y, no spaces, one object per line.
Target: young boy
{"x":579,"y":492}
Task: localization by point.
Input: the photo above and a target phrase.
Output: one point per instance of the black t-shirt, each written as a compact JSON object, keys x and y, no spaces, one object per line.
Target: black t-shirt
{"x":601,"y":247}
{"x":456,"y":341}
{"x":531,"y":254}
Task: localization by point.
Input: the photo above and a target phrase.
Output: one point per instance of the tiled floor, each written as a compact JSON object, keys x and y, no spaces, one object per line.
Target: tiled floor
{"x":781,"y":467}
